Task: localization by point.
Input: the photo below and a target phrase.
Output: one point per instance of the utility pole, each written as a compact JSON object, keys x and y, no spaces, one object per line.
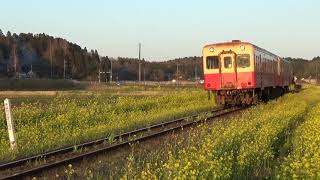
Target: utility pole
{"x":195,"y":69}
{"x":64,"y":59}
{"x":51,"y":59}
{"x":104,"y":70}
{"x":99,"y":76}
{"x":64,"y":68}
{"x":177,"y":73}
{"x":15,"y":59}
{"x":316,"y":72}
{"x":30,"y":73}
{"x":110,"y":70}
{"x":139,"y":62}
{"x":99,"y":73}
{"x":144,"y":71}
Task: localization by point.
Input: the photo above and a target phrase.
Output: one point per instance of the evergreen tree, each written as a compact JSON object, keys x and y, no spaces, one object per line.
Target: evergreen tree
{"x":9,"y":34}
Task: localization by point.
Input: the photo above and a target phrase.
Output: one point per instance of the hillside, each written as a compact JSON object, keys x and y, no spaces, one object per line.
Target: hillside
{"x":19,"y":53}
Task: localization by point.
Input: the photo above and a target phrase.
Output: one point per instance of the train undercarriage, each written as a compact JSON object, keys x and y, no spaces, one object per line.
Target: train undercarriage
{"x":245,"y":97}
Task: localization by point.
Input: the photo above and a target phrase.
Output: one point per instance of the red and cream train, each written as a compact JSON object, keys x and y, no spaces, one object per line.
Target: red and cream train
{"x":242,"y":73}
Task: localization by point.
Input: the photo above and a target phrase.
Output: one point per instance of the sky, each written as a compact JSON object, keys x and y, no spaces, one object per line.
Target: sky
{"x":170,"y":29}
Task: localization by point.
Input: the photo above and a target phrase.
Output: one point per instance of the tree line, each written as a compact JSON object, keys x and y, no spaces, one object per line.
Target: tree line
{"x":49,"y":57}
{"x":303,"y":68}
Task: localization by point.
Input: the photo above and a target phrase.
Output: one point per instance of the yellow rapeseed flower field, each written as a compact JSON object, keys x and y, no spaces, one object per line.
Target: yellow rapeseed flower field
{"x":68,"y":120}
{"x":279,"y":139}
{"x":276,"y":140}
{"x":304,"y":160}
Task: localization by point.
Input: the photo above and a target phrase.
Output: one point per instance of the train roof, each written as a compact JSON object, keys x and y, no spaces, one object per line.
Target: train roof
{"x":238,"y":42}
{"x":233,"y":43}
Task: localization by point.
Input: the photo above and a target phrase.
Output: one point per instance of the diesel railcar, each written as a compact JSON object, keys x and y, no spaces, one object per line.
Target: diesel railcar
{"x":242,"y":73}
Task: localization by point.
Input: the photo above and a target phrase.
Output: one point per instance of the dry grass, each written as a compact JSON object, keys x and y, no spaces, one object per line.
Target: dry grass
{"x":27,"y":93}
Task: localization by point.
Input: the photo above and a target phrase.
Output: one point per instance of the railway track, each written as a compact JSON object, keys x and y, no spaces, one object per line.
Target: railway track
{"x":24,"y":167}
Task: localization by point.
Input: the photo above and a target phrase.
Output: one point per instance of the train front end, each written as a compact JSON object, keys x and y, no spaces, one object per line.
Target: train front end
{"x":229,"y":71}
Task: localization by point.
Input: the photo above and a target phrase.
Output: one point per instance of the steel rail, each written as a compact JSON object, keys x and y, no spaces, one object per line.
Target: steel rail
{"x":68,"y":149}
{"x":76,"y":158}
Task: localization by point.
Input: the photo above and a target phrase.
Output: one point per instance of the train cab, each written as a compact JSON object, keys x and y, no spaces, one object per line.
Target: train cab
{"x":228,"y":66}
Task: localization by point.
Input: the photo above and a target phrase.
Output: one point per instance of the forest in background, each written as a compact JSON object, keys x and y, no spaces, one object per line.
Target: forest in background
{"x":56,"y":58}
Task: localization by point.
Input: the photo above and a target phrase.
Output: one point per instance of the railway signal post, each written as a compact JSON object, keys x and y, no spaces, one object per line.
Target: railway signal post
{"x":10,"y":124}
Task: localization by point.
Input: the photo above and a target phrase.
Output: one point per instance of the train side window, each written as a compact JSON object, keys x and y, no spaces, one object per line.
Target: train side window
{"x":243,"y":61}
{"x":212,"y":62}
{"x":227,"y":62}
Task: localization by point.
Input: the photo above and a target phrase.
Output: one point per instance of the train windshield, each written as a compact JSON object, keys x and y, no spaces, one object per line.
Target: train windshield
{"x":212,"y":62}
{"x":227,"y":62}
{"x":243,"y":61}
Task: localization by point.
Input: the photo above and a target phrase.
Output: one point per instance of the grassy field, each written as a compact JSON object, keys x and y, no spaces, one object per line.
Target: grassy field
{"x":278,"y":140}
{"x":48,"y":122}
{"x":65,"y":85}
{"x":35,"y":84}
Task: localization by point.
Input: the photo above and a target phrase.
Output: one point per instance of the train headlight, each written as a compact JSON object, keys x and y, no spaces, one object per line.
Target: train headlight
{"x":211,"y":49}
{"x":242,"y":48}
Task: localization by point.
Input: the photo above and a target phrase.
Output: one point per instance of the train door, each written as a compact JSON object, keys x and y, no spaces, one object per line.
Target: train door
{"x":228,"y":71}
{"x":279,"y":80}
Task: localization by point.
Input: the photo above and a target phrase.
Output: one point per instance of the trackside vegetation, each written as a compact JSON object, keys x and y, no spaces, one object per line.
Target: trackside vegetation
{"x":304,"y":160}
{"x":67,"y":120}
{"x":277,"y":140}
